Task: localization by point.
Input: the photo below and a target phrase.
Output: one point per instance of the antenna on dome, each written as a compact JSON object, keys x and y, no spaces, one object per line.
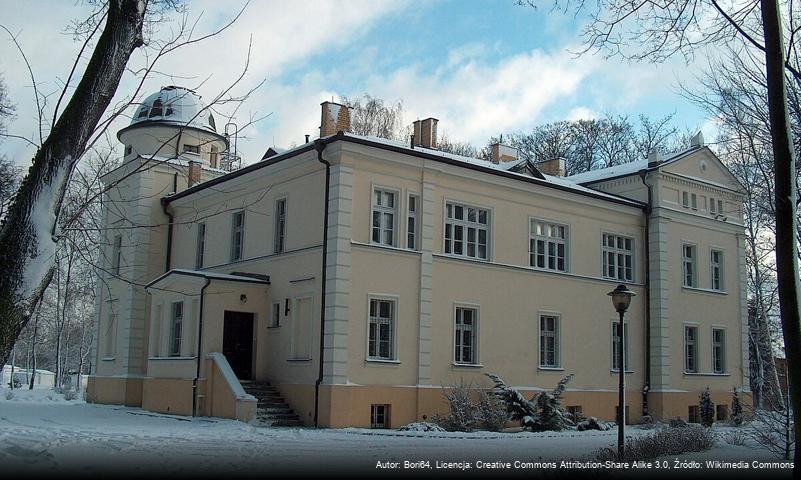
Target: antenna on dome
{"x":231,"y":160}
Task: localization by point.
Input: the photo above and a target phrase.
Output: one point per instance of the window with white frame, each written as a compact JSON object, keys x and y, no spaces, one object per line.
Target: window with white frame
{"x":618,"y":257}
{"x":466,"y":231}
{"x":280,"y":226}
{"x":275,"y":315}
{"x":237,"y":235}
{"x":176,"y":325}
{"x":694,"y":201}
{"x":716,"y":269}
{"x":616,"y":345}
{"x":466,"y":329}
{"x":381,"y":335}
{"x":718,"y":350}
{"x":413,"y":223}
{"x":116,"y":255}
{"x":547,"y":245}
{"x":201,"y":245}
{"x":685,"y":199}
{"x":711,"y":205}
{"x":690,"y":278}
{"x":690,"y":349}
{"x":549,"y":341}
{"x":385,"y":210}
{"x":192,"y":149}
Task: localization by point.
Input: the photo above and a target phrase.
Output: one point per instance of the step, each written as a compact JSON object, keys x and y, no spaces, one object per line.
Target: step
{"x":277,"y":416}
{"x":280,"y":423}
{"x":273,"y":410}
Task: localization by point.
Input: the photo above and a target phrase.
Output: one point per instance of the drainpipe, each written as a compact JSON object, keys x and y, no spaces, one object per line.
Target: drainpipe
{"x":648,"y":209}
{"x":170,"y":222}
{"x":199,"y":348}
{"x":319,"y":145}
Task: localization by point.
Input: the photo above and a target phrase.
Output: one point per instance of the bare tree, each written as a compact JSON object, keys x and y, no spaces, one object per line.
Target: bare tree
{"x":374,"y":117}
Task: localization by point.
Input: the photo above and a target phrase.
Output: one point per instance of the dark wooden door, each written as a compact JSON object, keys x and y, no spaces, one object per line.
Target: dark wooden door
{"x":238,"y":343}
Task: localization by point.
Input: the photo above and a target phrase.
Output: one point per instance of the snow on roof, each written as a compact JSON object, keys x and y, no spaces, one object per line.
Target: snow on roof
{"x":238,"y":277}
{"x":626,"y":168}
{"x":175,"y":106}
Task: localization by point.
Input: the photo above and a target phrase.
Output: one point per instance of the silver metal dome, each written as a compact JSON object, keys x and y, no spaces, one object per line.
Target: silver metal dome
{"x":176,"y":106}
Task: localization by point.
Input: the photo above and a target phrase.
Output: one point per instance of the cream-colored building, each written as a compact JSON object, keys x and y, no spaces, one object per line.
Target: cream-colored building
{"x":359,"y":275}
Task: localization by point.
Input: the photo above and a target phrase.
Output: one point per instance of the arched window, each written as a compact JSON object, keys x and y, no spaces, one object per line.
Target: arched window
{"x":156,"y":111}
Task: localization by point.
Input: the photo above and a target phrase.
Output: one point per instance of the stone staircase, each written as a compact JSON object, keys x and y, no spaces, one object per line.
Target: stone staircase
{"x":271,"y":410}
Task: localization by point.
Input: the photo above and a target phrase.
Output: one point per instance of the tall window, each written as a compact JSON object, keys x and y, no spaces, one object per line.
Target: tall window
{"x":275,"y":315}
{"x":547,"y":245}
{"x":412,"y":223}
{"x":116,"y":255}
{"x":280,"y":226}
{"x":201,"y":245}
{"x":718,"y":350}
{"x":549,"y":341}
{"x":466,"y":231}
{"x":175,"y":328}
{"x":618,"y":257}
{"x":616,"y":345}
{"x":384,"y":214}
{"x":694,"y":201}
{"x":381,"y":340}
{"x":711,"y":205}
{"x":685,"y":199}
{"x":379,"y":416}
{"x":716,"y":269}
{"x":466,"y":334}
{"x":237,"y":235}
{"x":688,"y":262}
{"x":691,"y":349}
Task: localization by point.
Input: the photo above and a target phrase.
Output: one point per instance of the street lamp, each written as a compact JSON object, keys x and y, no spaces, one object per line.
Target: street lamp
{"x":621,"y":298}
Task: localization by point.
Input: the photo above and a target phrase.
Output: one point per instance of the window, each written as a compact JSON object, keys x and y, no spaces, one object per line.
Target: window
{"x":690,"y":349}
{"x":694,"y":201}
{"x":547,"y":245}
{"x":301,"y":329}
{"x":275,"y":315}
{"x":116,"y":255}
{"x":237,"y":235}
{"x":694,"y":414}
{"x":685,"y":199}
{"x":175,"y":328}
{"x":128,"y":150}
{"x":618,"y":257}
{"x":688,"y":262}
{"x":549,"y":341}
{"x":720,"y":207}
{"x":466,"y":231}
{"x":466,"y":334}
{"x":716,"y":269}
{"x":279,"y":242}
{"x":379,"y":416}
{"x":721,"y":413}
{"x":156,"y":111}
{"x":381,"y":337}
{"x":201,"y":245}
{"x":214,"y":157}
{"x":192,"y":149}
{"x":718,"y":350}
{"x":616,"y":346}
{"x":711,"y":205}
{"x":412,"y":223}
{"x":384,"y":215}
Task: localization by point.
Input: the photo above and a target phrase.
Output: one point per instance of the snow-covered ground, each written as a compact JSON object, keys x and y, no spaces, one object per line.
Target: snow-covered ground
{"x":42,"y":432}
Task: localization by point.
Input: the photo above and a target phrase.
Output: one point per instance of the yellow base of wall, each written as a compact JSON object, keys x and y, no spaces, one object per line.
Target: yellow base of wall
{"x":114,"y":390}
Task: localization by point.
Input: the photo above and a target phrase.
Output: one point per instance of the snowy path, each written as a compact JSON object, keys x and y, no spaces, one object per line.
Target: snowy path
{"x":50,"y":437}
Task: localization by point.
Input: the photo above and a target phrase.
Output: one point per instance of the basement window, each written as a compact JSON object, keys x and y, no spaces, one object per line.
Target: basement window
{"x":379,"y":416}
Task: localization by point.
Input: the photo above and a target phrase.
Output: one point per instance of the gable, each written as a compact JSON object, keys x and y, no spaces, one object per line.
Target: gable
{"x":704,"y":166}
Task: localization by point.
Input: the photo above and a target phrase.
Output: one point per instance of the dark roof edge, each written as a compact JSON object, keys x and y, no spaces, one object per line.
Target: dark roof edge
{"x":201,"y":275}
{"x":398,"y":149}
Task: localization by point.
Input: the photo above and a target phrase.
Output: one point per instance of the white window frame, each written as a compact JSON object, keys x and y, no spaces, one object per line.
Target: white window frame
{"x":237,"y":256}
{"x":392,"y":322}
{"x":466,"y":225}
{"x":279,"y":231}
{"x":719,"y":347}
{"x":193,"y":149}
{"x":716,"y":269}
{"x":694,"y":201}
{"x":176,"y":329}
{"x":617,"y":253}
{"x":200,"y":248}
{"x":413,"y":219}
{"x":712,"y":205}
{"x":556,"y":335}
{"x":692,"y":262}
{"x":458,"y":347}
{"x":626,"y":346}
{"x":685,"y":199}
{"x":694,"y":345}
{"x":384,"y":210}
{"x":539,"y":233}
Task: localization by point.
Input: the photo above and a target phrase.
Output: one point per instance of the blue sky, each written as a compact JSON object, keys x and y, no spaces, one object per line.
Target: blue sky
{"x":481,"y":67}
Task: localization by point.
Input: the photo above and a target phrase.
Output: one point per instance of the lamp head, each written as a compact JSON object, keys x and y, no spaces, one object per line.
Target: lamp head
{"x":621,"y":298}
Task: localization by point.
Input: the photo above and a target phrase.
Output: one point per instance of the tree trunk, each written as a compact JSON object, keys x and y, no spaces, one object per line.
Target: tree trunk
{"x":33,"y":349}
{"x":27,"y":236}
{"x":786,"y":245}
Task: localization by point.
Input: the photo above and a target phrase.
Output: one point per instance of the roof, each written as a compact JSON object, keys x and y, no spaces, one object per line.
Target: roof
{"x":626,"y":169}
{"x":175,"y":106}
{"x":437,"y":155}
{"x":234,"y":277}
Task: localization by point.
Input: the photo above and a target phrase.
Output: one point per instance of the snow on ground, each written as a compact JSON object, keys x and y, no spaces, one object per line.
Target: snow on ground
{"x":38,"y":435}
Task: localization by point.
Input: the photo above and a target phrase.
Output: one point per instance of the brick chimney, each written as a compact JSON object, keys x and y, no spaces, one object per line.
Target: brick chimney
{"x":503,"y":153}
{"x":335,"y":117}
{"x":554,"y":167}
{"x":425,"y":133}
{"x":195,"y":173}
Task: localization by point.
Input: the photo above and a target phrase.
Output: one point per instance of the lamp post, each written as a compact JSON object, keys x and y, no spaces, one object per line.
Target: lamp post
{"x":621,"y":298}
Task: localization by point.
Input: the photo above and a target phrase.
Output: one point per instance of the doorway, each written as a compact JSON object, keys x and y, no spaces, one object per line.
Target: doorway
{"x":238,"y":343}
